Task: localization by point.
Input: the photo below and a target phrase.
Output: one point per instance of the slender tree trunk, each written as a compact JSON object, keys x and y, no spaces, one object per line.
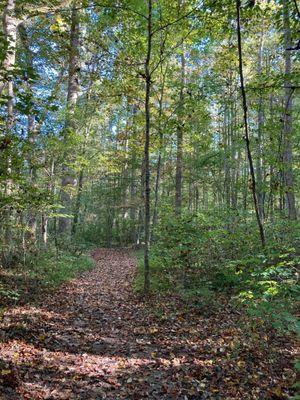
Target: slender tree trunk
{"x":237,"y":160}
{"x":247,"y":139}
{"x":233,"y":161}
{"x":260,"y":124}
{"x":45,"y":219}
{"x":73,"y":93}
{"x":196,"y":198}
{"x":272,"y":175}
{"x":78,"y":203}
{"x":226,"y":144}
{"x":44,"y":226}
{"x":288,"y":178}
{"x":9,"y":182}
{"x":180,"y":127}
{"x":141,"y":210}
{"x":156,"y":190}
{"x":190,"y":203}
{"x":147,"y":149}
{"x":133,"y":199}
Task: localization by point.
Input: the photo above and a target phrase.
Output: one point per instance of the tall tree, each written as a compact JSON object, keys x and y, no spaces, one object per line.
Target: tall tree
{"x":180,"y":128}
{"x":260,"y":125}
{"x":246,"y":127}
{"x":148,"y":85}
{"x":73,"y":93}
{"x":287,"y":118}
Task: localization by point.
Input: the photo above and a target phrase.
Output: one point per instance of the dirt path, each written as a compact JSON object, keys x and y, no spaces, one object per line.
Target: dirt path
{"x":94,"y":340}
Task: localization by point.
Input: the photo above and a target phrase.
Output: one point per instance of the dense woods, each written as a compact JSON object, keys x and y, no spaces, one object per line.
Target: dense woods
{"x":168,"y":127}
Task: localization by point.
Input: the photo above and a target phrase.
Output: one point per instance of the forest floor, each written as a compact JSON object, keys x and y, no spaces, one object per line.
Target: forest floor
{"x":95,"y":339}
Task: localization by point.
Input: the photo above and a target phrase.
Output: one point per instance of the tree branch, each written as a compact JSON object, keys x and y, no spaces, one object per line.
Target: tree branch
{"x":174,"y":22}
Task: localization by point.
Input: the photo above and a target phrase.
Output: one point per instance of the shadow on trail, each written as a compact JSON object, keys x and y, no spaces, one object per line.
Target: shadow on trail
{"x":93,"y":339}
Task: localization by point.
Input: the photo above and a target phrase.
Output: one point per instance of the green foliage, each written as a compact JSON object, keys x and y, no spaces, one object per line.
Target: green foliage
{"x":53,"y":268}
{"x":202,"y":258}
{"x":40,"y":271}
{"x":10,"y":294}
{"x":179,"y":242}
{"x":161,"y":280}
{"x":269,"y":287}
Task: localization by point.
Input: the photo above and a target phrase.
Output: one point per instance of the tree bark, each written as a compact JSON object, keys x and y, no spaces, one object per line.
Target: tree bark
{"x":227,"y":166}
{"x":147,"y":149}
{"x":180,"y":127}
{"x":260,"y":123}
{"x":78,"y":203}
{"x":73,"y":93}
{"x":9,"y":24}
{"x":288,"y":177}
{"x":247,"y":138}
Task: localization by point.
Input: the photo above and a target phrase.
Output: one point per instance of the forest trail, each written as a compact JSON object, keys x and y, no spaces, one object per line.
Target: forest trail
{"x":93,"y":339}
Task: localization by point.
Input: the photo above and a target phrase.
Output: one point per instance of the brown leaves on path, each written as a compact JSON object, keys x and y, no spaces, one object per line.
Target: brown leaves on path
{"x":93,"y":339}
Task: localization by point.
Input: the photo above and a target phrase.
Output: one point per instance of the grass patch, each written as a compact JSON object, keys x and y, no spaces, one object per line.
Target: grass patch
{"x":52,"y":268}
{"x":48,"y":270}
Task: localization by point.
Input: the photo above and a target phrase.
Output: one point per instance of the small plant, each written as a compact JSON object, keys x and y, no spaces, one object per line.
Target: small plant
{"x":9,"y":294}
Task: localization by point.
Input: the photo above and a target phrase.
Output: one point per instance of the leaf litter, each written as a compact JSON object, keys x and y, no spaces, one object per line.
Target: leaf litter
{"x":95,"y":339}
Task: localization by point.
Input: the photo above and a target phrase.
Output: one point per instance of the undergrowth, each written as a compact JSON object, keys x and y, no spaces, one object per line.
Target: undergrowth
{"x":44,"y":270}
{"x":205,"y":261}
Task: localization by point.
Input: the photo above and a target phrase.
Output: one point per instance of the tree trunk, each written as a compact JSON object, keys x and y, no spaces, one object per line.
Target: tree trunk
{"x":247,"y":139}
{"x":133,"y":194}
{"x":287,"y":118}
{"x":147,"y":149}
{"x":9,"y":24}
{"x":180,"y":127}
{"x":73,"y":93}
{"x":260,"y":123}
{"x":226,"y":143}
{"x":78,"y":203}
{"x":45,"y":219}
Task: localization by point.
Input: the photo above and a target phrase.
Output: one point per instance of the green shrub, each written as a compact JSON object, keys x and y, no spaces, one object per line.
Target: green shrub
{"x":199,"y":256}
